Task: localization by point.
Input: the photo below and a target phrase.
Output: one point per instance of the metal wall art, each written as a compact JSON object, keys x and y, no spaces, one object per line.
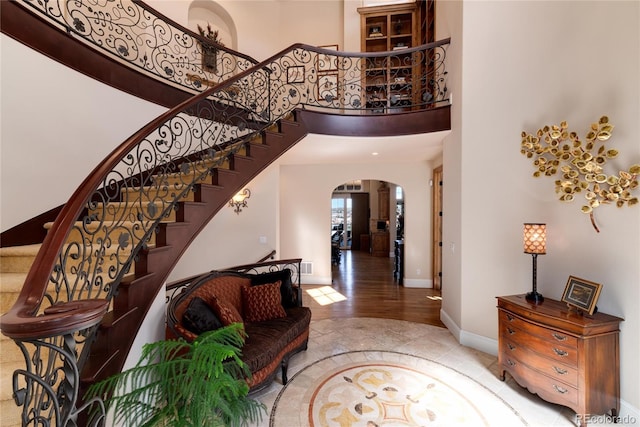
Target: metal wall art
{"x":555,"y":150}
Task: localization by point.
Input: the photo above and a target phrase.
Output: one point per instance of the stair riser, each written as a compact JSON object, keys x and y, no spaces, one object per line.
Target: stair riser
{"x":16,"y":264}
{"x":122,"y":212}
{"x":10,"y":413}
{"x":7,"y":299}
{"x":152,"y":269}
{"x":22,"y":265}
{"x":115,"y":235}
{"x":150,"y":195}
{"x":11,"y":355}
{"x":105,"y":343}
{"x":178,"y":181}
{"x":131,"y":295}
{"x":226,"y":179}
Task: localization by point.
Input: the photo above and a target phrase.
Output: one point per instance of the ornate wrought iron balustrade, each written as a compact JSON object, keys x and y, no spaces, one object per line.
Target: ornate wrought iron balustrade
{"x":359,"y":83}
{"x":140,"y":37}
{"x":116,"y":211}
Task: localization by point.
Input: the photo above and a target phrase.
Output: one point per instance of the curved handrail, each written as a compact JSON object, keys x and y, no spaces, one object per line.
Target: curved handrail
{"x":115,"y":212}
{"x":136,"y":34}
{"x":233,"y":110}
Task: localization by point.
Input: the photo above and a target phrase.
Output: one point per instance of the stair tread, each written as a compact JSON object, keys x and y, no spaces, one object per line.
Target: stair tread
{"x":12,"y":282}
{"x":6,"y":376}
{"x":218,"y":165}
{"x":20,"y":250}
{"x":10,"y":413}
{"x":48,"y":225}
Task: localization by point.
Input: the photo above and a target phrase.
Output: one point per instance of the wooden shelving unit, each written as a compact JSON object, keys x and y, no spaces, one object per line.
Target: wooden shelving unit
{"x":391,"y":84}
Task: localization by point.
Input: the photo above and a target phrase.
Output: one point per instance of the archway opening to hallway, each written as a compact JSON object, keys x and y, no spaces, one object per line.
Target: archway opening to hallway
{"x":366,"y":216}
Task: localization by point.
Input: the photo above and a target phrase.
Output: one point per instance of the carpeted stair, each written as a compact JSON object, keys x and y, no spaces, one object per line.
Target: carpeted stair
{"x":153,"y":264}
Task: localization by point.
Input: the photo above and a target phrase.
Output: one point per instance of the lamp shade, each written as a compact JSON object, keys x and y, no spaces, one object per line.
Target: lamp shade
{"x":535,"y":238}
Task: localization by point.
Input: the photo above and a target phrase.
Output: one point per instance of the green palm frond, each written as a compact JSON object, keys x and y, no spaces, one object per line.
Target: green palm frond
{"x":176,"y":383}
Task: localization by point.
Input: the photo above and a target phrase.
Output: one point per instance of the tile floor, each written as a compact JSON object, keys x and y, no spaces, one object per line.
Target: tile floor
{"x":332,"y":336}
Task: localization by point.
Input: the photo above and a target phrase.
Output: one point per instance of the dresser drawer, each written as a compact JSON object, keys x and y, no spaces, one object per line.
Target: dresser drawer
{"x":544,"y":365}
{"x":547,"y":388}
{"x":544,"y":333}
{"x":545,"y":347}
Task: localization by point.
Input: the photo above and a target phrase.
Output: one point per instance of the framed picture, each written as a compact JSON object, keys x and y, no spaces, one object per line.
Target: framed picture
{"x":328,"y":87}
{"x":327,"y":62}
{"x":582,"y":294}
{"x":295,"y":74}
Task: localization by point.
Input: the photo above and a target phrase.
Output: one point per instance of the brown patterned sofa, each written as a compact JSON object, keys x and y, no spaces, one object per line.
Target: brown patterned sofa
{"x":265,"y":297}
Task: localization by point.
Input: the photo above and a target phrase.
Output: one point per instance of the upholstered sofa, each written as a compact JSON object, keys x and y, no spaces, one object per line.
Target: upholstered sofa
{"x":266,"y":298}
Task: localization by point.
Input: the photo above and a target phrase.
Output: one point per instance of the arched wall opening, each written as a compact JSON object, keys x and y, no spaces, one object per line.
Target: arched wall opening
{"x":205,"y":12}
{"x":367,"y":216}
{"x":305,"y":214}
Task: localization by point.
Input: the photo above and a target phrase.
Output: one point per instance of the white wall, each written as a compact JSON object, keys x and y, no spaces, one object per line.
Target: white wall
{"x":291,"y":206}
{"x":305,"y":206}
{"x":513,"y":66}
{"x":527,"y":64}
{"x":233,"y":239}
{"x":49,"y":111}
{"x":264,"y":27}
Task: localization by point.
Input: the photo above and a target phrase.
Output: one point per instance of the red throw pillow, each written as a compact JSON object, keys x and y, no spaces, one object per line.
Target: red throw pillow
{"x":225,"y":311}
{"x":262,"y":302}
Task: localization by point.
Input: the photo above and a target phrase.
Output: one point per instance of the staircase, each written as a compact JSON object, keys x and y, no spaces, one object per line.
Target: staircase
{"x":227,"y":173}
{"x":14,"y":265}
{"x":114,"y":243}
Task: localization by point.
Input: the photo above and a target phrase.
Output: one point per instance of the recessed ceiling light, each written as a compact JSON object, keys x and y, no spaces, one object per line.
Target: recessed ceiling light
{"x":375,"y":153}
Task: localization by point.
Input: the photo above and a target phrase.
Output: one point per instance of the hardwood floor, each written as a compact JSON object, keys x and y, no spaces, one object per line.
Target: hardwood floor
{"x":369,"y":290}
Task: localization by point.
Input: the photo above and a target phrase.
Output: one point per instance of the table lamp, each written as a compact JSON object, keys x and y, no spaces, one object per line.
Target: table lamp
{"x":535,"y":243}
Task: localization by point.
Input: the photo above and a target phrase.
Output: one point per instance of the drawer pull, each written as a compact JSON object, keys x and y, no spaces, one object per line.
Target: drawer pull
{"x":560,"y":352}
{"x":559,"y":337}
{"x":511,"y":331}
{"x":510,"y":318}
{"x":560,"y":370}
{"x":511,"y":346}
{"x":510,"y":363}
{"x":560,"y":389}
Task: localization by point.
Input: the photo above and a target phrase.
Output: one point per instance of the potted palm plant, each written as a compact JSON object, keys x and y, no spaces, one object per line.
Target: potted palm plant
{"x":176,"y":383}
{"x":210,"y":50}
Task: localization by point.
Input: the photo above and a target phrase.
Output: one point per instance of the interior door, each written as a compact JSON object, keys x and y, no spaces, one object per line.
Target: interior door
{"x":436,"y":228}
{"x":359,"y":217}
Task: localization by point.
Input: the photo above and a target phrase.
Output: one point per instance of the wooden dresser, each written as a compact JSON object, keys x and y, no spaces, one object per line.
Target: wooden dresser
{"x":562,"y":356}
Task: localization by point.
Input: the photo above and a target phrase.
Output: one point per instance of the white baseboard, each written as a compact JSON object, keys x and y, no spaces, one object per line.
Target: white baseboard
{"x":629,"y":414}
{"x":417,"y":283}
{"x":450,"y":324}
{"x":315,"y":280}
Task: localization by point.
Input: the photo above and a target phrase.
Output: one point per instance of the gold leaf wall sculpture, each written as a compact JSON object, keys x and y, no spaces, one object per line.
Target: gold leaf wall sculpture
{"x":555,"y":150}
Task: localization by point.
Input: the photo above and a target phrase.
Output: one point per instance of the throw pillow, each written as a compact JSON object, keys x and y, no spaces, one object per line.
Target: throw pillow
{"x":226,"y":287}
{"x":287,"y":293}
{"x":199,"y":317}
{"x":227,"y":313}
{"x":262,"y":302}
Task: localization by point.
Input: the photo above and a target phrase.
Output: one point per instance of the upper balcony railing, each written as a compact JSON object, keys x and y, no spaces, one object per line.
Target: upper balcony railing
{"x":140,"y":37}
{"x":94,"y":241}
{"x":137,"y":36}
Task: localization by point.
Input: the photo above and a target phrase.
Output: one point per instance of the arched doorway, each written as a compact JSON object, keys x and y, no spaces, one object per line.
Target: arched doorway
{"x":367,"y":215}
{"x":203,"y":13}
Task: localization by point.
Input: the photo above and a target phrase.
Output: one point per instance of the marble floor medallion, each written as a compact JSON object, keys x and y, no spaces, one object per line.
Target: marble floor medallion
{"x":385,"y":388}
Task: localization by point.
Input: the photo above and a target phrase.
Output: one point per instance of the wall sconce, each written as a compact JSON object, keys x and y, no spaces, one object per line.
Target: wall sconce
{"x":535,"y":243}
{"x":239,"y":201}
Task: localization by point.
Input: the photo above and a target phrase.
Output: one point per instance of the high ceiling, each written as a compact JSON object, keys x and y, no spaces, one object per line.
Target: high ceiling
{"x":323,"y":149}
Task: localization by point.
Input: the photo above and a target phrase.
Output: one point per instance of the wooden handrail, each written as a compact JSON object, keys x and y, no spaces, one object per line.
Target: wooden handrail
{"x":15,"y":322}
